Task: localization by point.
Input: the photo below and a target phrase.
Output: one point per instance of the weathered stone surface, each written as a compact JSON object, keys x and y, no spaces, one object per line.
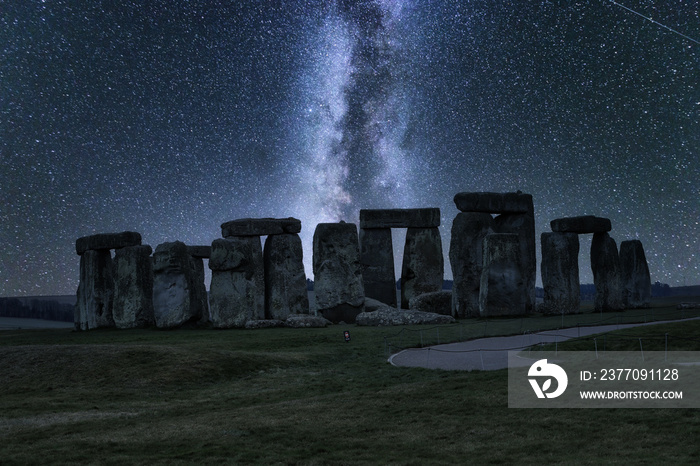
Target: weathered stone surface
{"x":377,"y":260}
{"x":306,"y":321}
{"x":607,"y":275}
{"x":340,"y":294}
{"x":466,"y":260}
{"x":400,"y":218}
{"x":266,"y":323}
{"x":560,"y":274}
{"x":387,"y":317}
{"x":423,"y":265}
{"x":176,"y":298}
{"x":682,"y":306}
{"x":636,"y":281}
{"x":133,"y":287}
{"x":260,"y":227}
{"x":503,"y":288}
{"x":199,"y":252}
{"x":237,"y":291}
{"x":374,"y":305}
{"x":582,"y":225}
{"x":93,"y":307}
{"x":285,"y":279}
{"x":524,"y":226}
{"x":106,"y":241}
{"x":494,"y":203}
{"x":438,"y":302}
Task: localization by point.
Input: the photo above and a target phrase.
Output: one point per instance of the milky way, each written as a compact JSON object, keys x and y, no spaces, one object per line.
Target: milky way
{"x":170,"y":118}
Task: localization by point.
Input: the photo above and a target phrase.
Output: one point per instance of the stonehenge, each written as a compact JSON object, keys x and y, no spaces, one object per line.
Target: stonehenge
{"x":96,"y":289}
{"x":636,"y":282}
{"x":133,"y":287}
{"x":469,"y":254}
{"x":503,"y":291}
{"x":422,"y":268}
{"x":618,"y":286}
{"x":178,"y":289}
{"x":340,"y":293}
{"x":560,"y":273}
{"x":125,"y":284}
{"x":251,"y":284}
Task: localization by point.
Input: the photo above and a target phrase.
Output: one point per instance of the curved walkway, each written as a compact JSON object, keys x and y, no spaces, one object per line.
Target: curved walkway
{"x":492,"y":353}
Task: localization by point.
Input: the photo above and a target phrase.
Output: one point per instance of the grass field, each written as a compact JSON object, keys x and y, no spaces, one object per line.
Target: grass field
{"x":295,"y":396}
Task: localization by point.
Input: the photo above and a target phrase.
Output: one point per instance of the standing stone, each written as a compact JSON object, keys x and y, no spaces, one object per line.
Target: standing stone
{"x":93,"y":307}
{"x":503,"y":291}
{"x":340,"y":295}
{"x":524,"y":226}
{"x":176,"y":294}
{"x":636,"y":281}
{"x":607,"y":276}
{"x":466,"y":260}
{"x":285,"y":279}
{"x":133,"y":287}
{"x":423,"y":265}
{"x":377,"y":259}
{"x":560,"y":279}
{"x":237,"y":291}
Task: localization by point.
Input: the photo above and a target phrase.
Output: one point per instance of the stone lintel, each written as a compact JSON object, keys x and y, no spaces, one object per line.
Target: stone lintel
{"x":105,"y":241}
{"x":260,"y":227}
{"x":400,"y":218}
{"x":494,"y":203}
{"x":200,"y":252}
{"x":581,"y":225}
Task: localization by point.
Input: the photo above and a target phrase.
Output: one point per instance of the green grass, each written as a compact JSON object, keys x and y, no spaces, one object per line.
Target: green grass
{"x":292,"y":396}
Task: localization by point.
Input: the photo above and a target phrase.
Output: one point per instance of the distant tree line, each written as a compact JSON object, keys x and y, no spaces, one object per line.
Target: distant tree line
{"x":37,"y":309}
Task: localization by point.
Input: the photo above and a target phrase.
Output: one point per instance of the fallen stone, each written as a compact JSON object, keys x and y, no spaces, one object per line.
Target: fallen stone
{"x":581,"y":225}
{"x":266,"y":323}
{"x":423,"y":265}
{"x":387,"y":317}
{"x":400,"y":218}
{"x":176,"y":292}
{"x":377,"y":260}
{"x":524,"y":226}
{"x":260,"y":227}
{"x":503,"y":291}
{"x":560,"y":273}
{"x":133,"y":287}
{"x":340,"y":294}
{"x":306,"y":321}
{"x":466,"y":260}
{"x":607,"y":275}
{"x":374,"y":305}
{"x":285,"y":279}
{"x":237,"y":291}
{"x":107,"y":241}
{"x":636,"y":281}
{"x":688,"y":306}
{"x":95,"y":297}
{"x":200,"y":252}
{"x":438,"y":302}
{"x":494,"y":203}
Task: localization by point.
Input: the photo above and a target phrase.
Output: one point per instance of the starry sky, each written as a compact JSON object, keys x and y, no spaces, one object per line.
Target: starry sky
{"x":170,"y":117}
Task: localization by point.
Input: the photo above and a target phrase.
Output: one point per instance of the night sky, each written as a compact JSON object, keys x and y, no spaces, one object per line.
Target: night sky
{"x":172,"y":117}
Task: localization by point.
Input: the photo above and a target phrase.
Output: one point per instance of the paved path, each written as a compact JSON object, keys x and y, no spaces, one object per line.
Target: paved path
{"x":492,"y":353}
